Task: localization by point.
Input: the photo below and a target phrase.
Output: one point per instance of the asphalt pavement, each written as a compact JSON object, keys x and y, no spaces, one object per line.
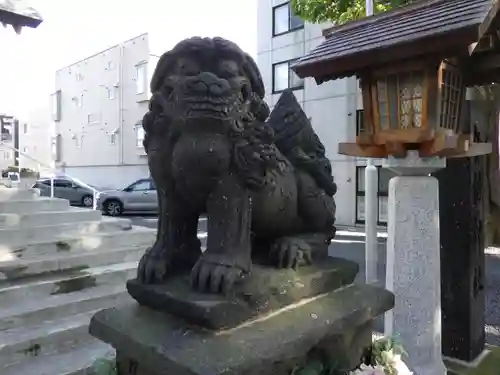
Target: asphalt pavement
{"x":350,"y":244}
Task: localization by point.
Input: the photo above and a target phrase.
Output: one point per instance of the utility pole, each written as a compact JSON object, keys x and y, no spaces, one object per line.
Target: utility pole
{"x":371,"y":207}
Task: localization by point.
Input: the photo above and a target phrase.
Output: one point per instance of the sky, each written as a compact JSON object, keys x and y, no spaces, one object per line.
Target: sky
{"x":73,"y":30}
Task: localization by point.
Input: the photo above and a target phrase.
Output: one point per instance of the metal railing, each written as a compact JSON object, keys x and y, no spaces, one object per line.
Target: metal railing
{"x":52,"y":177}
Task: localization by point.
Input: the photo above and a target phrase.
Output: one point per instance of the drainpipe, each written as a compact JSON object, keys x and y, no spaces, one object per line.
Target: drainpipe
{"x":371,"y":207}
{"x":120,"y":107}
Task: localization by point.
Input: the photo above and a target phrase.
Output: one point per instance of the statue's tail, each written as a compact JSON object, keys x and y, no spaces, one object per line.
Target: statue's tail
{"x":297,"y":140}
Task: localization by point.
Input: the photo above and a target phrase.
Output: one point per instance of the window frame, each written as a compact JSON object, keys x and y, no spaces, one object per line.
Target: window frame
{"x":290,"y":16}
{"x":141,"y":181}
{"x":141,"y":67}
{"x":361,"y":193}
{"x":360,"y":121}
{"x":139,"y":141}
{"x":289,"y":62}
{"x":55,"y":104}
{"x":111,"y":92}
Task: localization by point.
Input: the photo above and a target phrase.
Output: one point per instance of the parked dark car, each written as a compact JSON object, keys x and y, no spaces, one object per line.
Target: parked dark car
{"x":140,"y":196}
{"x":77,"y":194}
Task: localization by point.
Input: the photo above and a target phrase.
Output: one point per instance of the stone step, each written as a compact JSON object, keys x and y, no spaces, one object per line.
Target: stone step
{"x":95,"y":242}
{"x":52,"y":336}
{"x":21,"y":236}
{"x":78,"y":361}
{"x":8,"y":194}
{"x":11,"y":292}
{"x":21,"y":268}
{"x":36,"y":311}
{"x":42,"y":218}
{"x":26,"y":206}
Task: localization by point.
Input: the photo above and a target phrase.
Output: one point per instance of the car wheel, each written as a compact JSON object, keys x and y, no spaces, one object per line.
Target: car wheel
{"x":87,"y":201}
{"x":113,"y":208}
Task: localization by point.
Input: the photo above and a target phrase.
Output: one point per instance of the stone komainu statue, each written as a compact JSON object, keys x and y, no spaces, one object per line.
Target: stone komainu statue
{"x":262,"y":179}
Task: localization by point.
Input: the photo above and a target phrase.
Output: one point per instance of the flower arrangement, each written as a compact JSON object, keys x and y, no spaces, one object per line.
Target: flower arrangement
{"x":383,"y":357}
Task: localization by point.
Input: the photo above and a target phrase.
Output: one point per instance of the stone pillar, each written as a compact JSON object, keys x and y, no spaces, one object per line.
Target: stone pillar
{"x":462,"y":257}
{"x":413,"y":261}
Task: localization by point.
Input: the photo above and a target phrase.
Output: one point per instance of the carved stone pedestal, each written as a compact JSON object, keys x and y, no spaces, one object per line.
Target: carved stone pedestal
{"x":317,"y":323}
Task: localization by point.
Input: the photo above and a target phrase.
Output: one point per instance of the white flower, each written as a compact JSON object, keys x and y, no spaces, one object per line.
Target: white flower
{"x":401,"y":367}
{"x":369,"y":370}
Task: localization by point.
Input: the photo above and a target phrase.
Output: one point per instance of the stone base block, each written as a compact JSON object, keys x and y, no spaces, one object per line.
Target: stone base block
{"x":266,"y":290}
{"x":334,"y":325}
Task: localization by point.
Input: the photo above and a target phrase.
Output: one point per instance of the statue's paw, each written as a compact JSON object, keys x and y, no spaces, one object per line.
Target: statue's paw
{"x":153,"y":266}
{"x":213,"y":277}
{"x":291,"y":252}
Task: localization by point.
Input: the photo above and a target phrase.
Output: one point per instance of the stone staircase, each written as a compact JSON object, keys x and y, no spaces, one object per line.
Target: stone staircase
{"x":58,"y":266}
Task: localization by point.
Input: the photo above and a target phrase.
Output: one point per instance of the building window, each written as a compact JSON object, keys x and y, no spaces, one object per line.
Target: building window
{"x":360,"y":122}
{"x":285,"y":78}
{"x":55,"y":99}
{"x":284,"y":20}
{"x":78,"y":100}
{"x":112,"y":138}
{"x":93,"y":118}
{"x":139,"y":135}
{"x":111,"y":92}
{"x":384,"y":175}
{"x":140,"y":79}
{"x":25,"y":128}
{"x":78,"y":140}
{"x":56,"y":148}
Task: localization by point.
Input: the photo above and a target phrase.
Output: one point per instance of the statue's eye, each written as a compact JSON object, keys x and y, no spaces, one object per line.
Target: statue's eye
{"x":188,"y":67}
{"x":228,"y":69}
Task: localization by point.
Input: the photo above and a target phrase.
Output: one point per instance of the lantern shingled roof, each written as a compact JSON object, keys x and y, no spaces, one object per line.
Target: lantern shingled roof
{"x":426,"y":27}
{"x":19,"y":14}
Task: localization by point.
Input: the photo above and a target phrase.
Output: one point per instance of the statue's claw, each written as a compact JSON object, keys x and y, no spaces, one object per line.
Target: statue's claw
{"x":154,"y":264}
{"x":291,"y":252}
{"x":211,"y":276}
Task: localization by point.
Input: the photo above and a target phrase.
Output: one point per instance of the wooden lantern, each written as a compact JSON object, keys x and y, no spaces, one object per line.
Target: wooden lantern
{"x":413,"y":106}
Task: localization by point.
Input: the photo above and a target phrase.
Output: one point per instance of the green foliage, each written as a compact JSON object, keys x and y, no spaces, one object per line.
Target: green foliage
{"x":381,"y":353}
{"x":105,"y":366}
{"x":339,"y":11}
{"x":13,"y":168}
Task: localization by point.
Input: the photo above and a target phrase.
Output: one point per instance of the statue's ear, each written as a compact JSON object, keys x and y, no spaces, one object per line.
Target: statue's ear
{"x":253,"y":73}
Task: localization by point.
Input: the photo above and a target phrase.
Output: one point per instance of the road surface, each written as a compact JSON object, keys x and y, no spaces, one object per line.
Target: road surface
{"x":350,"y":244}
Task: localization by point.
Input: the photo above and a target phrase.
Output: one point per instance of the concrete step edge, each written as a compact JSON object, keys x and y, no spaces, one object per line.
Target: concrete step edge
{"x":120,"y":225}
{"x":47,"y":338}
{"x":71,"y":300}
{"x":75,"y":237}
{"x":7,"y":286}
{"x":27,"y":334}
{"x":60,"y":262}
{"x":77,"y":361}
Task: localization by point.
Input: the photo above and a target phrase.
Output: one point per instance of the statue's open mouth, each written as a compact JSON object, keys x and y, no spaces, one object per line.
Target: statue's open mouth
{"x":203,"y":107}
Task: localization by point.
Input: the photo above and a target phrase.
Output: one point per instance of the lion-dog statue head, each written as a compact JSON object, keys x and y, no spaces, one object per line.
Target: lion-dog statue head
{"x":209,"y":85}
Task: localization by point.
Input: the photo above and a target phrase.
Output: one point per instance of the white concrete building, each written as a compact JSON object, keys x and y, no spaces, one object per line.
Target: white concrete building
{"x":335,"y":107}
{"x":97,"y":108}
{"x":35,"y":133}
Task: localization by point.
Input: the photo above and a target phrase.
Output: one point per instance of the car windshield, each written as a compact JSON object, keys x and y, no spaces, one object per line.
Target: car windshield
{"x":140,"y":184}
